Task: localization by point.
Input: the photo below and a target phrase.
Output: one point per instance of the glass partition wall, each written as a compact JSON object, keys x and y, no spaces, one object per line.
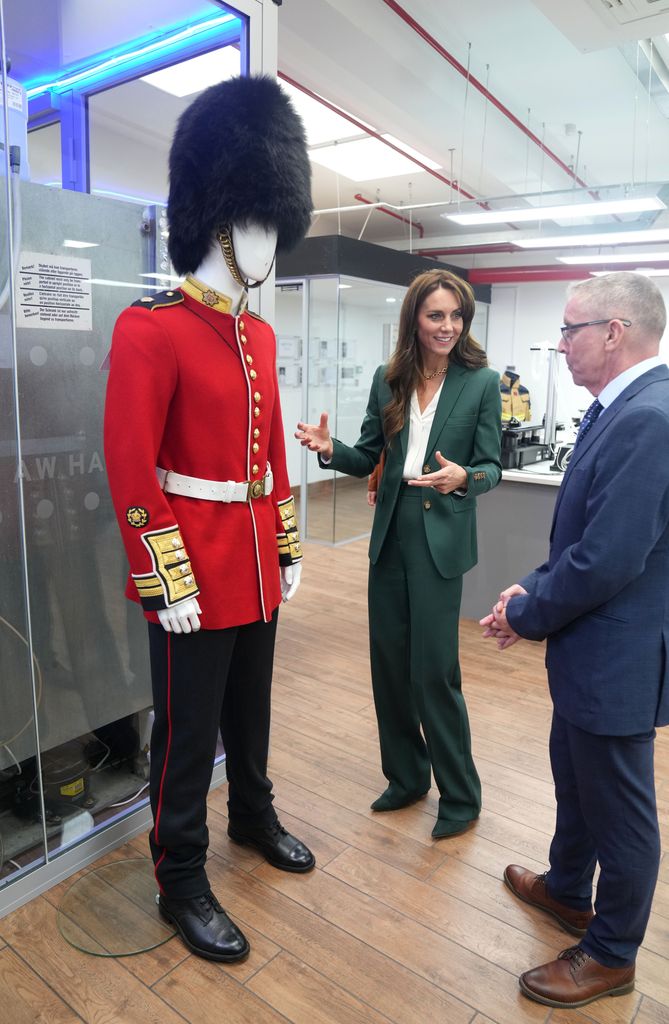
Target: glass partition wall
{"x":85,"y":125}
{"x":332,"y":334}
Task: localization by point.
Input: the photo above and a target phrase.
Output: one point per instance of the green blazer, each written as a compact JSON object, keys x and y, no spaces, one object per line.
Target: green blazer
{"x":467,"y":430}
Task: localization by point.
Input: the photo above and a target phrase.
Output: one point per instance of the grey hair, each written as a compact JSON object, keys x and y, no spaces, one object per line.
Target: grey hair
{"x":624,"y":295}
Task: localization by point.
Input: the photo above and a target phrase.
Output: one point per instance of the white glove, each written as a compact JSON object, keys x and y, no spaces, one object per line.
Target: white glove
{"x":290,"y":580}
{"x":181,"y":618}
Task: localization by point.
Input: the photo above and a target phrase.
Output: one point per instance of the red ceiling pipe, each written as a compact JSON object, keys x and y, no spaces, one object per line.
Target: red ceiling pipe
{"x":518,"y":275}
{"x":376,"y":135}
{"x":391,"y":213}
{"x":424,"y":34}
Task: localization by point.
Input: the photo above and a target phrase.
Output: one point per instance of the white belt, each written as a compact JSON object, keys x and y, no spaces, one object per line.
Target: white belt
{"x":214,"y":490}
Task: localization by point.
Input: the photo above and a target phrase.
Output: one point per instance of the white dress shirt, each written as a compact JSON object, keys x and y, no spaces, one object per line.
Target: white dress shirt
{"x":420,"y":425}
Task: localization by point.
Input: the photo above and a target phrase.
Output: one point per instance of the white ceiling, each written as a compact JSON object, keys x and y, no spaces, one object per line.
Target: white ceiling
{"x":571,"y":76}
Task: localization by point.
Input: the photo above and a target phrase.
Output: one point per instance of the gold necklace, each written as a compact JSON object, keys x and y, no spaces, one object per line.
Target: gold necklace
{"x":437,"y":373}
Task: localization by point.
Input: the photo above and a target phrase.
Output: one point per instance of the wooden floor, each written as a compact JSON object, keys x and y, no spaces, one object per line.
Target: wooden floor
{"x":391,"y":926}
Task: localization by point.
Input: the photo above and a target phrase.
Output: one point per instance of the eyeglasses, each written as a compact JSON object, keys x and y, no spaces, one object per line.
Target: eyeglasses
{"x":567,"y":330}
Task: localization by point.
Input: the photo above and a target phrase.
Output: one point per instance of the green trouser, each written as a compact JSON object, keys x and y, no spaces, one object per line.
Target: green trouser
{"x":413,"y":632}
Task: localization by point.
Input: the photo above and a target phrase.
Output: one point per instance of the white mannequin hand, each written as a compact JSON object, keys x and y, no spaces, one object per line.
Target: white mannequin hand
{"x":181,"y":618}
{"x":290,"y":580}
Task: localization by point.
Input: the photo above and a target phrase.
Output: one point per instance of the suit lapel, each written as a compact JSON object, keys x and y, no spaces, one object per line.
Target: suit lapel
{"x":450,"y":392}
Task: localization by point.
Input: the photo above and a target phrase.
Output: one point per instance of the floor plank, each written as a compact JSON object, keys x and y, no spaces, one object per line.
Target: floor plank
{"x":392,"y":927}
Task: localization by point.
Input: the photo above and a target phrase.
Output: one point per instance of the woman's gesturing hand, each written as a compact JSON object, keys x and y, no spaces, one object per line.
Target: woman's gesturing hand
{"x":316,"y":437}
{"x":449,"y":477}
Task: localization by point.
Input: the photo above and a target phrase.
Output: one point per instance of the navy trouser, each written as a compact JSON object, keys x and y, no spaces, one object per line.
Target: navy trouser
{"x":205,"y":682}
{"x":606,"y":812}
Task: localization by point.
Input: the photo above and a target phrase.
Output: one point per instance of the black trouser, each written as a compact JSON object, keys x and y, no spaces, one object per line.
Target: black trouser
{"x":215,"y":679}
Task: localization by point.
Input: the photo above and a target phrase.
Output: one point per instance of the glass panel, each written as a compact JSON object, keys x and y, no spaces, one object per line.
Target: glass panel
{"x":19,"y":793}
{"x":80,"y":260}
{"x":368,"y":319}
{"x":289,"y":321}
{"x":323,"y":307}
{"x":112,"y":911}
{"x":44,"y":155}
{"x":138,"y":119}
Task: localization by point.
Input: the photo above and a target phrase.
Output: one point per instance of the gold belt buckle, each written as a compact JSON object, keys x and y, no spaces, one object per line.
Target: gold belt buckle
{"x":256,"y":488}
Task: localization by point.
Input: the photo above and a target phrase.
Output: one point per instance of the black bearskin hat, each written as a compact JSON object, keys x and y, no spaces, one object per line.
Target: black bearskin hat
{"x":239,"y":154}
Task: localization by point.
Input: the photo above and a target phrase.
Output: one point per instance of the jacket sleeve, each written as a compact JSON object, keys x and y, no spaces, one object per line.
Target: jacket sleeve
{"x":142,"y":378}
{"x":361,"y":459}
{"x":626,"y":514}
{"x":485,"y":466}
{"x":287,"y":533}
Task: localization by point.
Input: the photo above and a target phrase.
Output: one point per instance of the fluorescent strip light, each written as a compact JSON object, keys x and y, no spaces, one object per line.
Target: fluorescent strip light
{"x":633,"y":257}
{"x":196,"y":74}
{"x":137,"y":285}
{"x":646,"y":271}
{"x":572,"y":211}
{"x":72,"y":243}
{"x":119,"y":57}
{"x":603,"y":238}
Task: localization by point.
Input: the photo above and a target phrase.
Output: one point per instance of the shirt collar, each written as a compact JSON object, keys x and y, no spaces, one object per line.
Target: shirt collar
{"x":616,"y":386}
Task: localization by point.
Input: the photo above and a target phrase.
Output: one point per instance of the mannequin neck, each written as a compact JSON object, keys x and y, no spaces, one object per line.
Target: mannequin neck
{"x":214,"y":273}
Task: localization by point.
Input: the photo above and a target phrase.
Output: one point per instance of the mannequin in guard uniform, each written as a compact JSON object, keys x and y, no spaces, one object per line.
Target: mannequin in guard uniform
{"x":196,"y":459}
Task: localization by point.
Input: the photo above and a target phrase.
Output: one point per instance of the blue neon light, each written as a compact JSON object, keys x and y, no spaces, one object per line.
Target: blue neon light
{"x":109,"y":63}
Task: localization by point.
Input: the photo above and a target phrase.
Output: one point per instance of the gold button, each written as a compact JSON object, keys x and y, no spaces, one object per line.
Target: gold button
{"x":249,"y":358}
{"x":426,"y":467}
{"x":146,"y":298}
{"x":243,"y":339}
{"x":256,"y":432}
{"x":256,"y":448}
{"x":254,"y":470}
{"x":252,"y":374}
{"x":256,"y":412}
{"x":170,"y":294}
{"x":241,"y":325}
{"x":257,"y":396}
{"x":427,"y":505}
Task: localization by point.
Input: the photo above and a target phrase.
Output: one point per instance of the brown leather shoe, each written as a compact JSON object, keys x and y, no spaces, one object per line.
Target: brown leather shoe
{"x":575,"y":979}
{"x":532,"y":889}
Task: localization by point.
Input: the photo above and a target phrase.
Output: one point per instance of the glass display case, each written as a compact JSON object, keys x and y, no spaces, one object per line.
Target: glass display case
{"x":82,"y":194}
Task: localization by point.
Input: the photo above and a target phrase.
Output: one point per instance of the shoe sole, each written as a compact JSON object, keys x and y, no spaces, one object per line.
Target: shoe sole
{"x":227,"y":958}
{"x":623,"y":990}
{"x":580,"y":932}
{"x":298,"y":869}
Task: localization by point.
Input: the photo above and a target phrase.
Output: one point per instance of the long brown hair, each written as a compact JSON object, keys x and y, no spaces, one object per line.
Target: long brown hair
{"x":405,"y":369}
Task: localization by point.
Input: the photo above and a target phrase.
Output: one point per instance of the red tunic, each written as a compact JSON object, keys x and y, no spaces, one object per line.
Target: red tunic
{"x":195,"y":391}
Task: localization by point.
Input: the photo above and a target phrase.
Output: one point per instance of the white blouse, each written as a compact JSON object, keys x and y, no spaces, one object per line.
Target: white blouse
{"x":420,"y":425}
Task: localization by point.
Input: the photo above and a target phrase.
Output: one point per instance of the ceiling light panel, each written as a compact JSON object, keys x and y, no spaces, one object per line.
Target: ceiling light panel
{"x":630,"y":257}
{"x":570,"y":211}
{"x":320,"y":123}
{"x":363,"y":160}
{"x":198,"y":73}
{"x":603,"y":238}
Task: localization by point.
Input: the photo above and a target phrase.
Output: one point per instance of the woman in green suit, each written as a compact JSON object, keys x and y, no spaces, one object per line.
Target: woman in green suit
{"x":435,"y":409}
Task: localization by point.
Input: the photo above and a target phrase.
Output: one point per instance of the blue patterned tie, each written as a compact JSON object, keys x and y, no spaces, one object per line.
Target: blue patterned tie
{"x":591,"y":415}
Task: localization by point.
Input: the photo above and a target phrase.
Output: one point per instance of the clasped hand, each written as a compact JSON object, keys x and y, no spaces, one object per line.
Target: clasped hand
{"x":449,"y":477}
{"x":496,"y":624}
{"x":316,"y":437}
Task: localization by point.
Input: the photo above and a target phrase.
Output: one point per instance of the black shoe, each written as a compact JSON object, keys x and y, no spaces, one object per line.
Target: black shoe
{"x":205,"y":927}
{"x":277,"y":846}
{"x":392,"y":800}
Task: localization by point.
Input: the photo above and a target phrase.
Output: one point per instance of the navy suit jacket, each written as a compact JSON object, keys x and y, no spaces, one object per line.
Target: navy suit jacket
{"x":602,"y":598}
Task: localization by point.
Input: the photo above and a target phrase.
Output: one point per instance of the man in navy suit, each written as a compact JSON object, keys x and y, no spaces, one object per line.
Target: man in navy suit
{"x":602,"y":602}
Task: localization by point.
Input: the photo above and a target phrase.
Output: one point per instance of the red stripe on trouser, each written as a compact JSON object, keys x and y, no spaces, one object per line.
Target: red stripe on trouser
{"x":167,"y":755}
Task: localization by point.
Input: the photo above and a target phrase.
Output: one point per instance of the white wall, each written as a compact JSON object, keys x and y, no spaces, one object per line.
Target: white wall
{"x":526,"y":315}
